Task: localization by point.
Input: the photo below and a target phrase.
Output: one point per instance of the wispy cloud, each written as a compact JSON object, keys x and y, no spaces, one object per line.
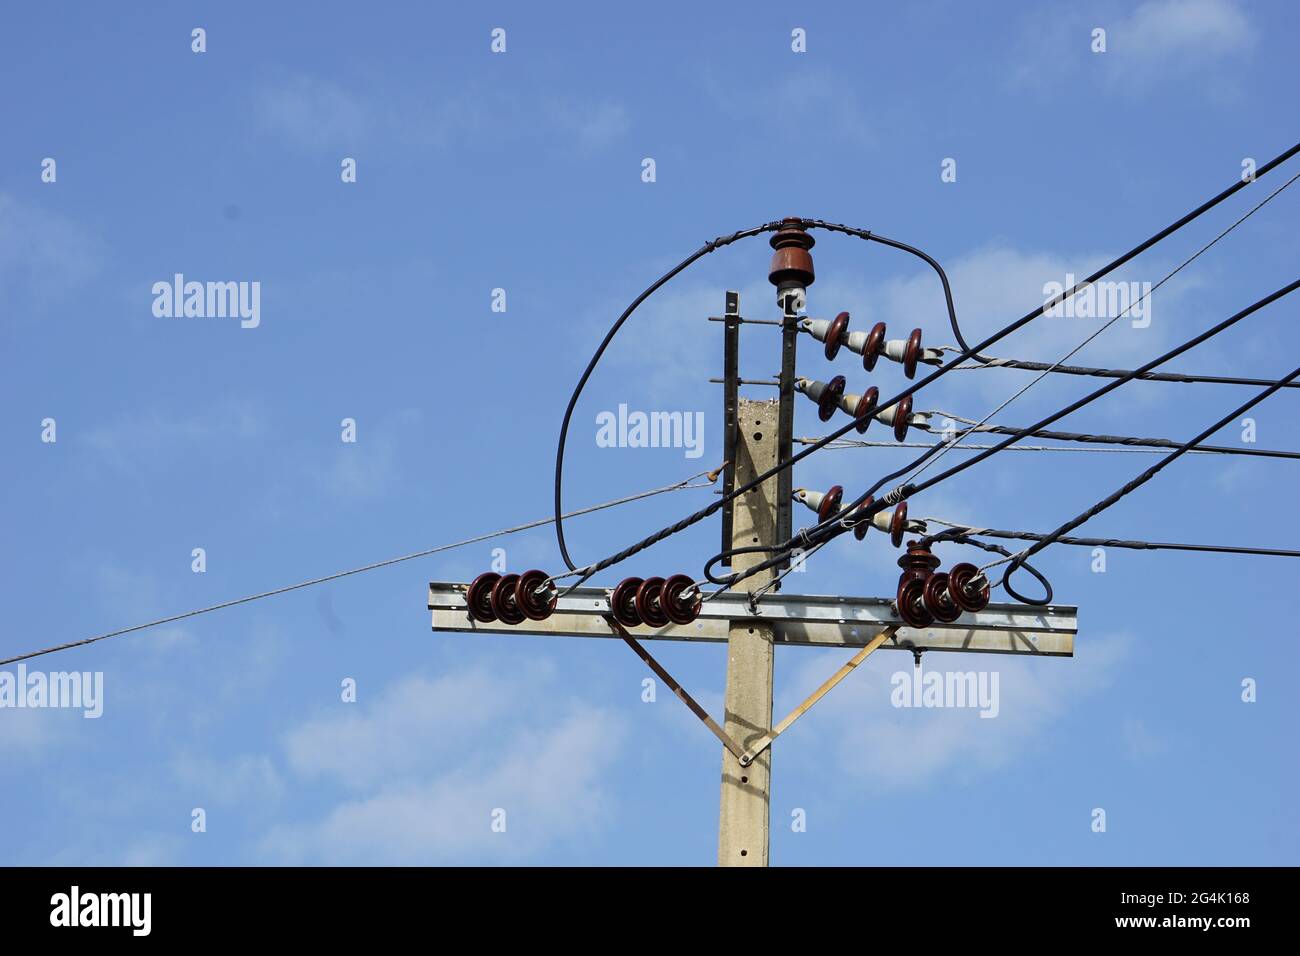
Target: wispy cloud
{"x":44,"y":256}
{"x":316,"y":113}
{"x":1158,"y":41}
{"x":883,"y":748}
{"x":423,"y":794}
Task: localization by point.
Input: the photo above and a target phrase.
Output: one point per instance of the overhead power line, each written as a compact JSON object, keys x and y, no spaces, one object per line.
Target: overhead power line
{"x":849,"y":443}
{"x":678,"y":486}
{"x":964,"y":530}
{"x":1128,"y":440}
{"x":1134,"y":484}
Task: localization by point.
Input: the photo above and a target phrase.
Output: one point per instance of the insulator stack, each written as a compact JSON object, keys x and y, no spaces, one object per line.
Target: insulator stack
{"x":656,"y":602}
{"x":831,"y":395}
{"x":511,"y":598}
{"x":926,"y":595}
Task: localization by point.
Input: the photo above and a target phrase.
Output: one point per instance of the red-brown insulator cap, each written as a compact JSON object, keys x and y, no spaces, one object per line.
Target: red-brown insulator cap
{"x":791,"y":262}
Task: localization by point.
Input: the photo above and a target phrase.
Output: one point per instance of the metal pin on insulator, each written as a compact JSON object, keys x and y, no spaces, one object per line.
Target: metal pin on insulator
{"x":870,"y":345}
{"x":969,"y":587}
{"x":825,"y":394}
{"x":681,"y":599}
{"x":938,"y":601}
{"x":830,"y":332}
{"x":909,"y":352}
{"x":893,"y":523}
{"x":622,"y":602}
{"x":535,"y":595}
{"x":478,"y":598}
{"x":648,"y":603}
{"x":504,"y":605}
{"x":824,"y":503}
{"x":900,"y":415}
{"x":861,"y":407}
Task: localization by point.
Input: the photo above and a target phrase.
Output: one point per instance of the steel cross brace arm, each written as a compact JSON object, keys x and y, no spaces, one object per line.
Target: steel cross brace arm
{"x":765,"y":741}
{"x":677,"y":688}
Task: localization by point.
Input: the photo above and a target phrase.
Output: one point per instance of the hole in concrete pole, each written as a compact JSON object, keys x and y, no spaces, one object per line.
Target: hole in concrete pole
{"x":744,"y":853}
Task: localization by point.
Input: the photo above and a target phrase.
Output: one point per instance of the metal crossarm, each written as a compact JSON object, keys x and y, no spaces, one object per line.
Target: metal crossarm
{"x":797,"y":620}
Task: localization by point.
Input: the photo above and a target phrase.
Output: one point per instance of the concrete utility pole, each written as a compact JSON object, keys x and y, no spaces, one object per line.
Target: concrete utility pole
{"x":746,"y":791}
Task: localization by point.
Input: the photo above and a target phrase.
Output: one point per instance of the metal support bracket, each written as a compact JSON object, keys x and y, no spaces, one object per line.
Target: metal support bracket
{"x":677,"y":688}
{"x":766,"y":740}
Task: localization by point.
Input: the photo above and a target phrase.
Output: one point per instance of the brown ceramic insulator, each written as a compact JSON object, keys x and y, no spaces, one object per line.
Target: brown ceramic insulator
{"x":902,"y":418}
{"x":911,"y":604}
{"x":912,"y":353}
{"x":647,"y":603}
{"x":839,"y":327}
{"x":898,"y":525}
{"x":622,"y":603}
{"x":874,"y":346}
{"x":830,"y":398}
{"x":791,"y":262}
{"x":478,"y":599}
{"x":503,"y":600}
{"x":917,"y":562}
{"x":866,"y":408}
{"x":937,"y":599}
{"x":864,"y":524}
{"x":830,"y":503}
{"x":680,"y":609}
{"x":968,"y":598}
{"x":534,"y":596}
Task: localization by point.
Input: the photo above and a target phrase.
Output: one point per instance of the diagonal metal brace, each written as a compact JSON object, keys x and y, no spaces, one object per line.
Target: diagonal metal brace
{"x":677,"y":688}
{"x":750,"y":755}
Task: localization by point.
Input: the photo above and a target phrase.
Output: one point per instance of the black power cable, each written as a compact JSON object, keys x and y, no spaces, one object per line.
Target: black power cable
{"x":968,"y":352}
{"x":1128,"y":440}
{"x":1124,"y":543}
{"x":1130,"y":486}
{"x":1119,"y":372}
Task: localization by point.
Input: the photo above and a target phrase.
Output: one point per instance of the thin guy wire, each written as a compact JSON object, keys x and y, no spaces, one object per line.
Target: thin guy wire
{"x":679,"y":486}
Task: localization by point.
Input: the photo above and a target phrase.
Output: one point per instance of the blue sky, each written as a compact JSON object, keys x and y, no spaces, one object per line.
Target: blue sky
{"x":522,"y":171}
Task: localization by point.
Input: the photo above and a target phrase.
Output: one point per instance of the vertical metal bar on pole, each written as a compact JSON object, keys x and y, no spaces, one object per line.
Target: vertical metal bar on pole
{"x":744,"y":811}
{"x":730,"y":396}
{"x":785,"y":430}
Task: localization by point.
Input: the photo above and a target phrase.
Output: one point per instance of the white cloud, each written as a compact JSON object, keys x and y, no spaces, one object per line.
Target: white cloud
{"x":1187,"y":31}
{"x":430,"y":761}
{"x":317,"y":113}
{"x":248,"y":778}
{"x":44,"y":256}
{"x":1159,"y":41}
{"x":883,"y":748}
{"x":133,"y":442}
